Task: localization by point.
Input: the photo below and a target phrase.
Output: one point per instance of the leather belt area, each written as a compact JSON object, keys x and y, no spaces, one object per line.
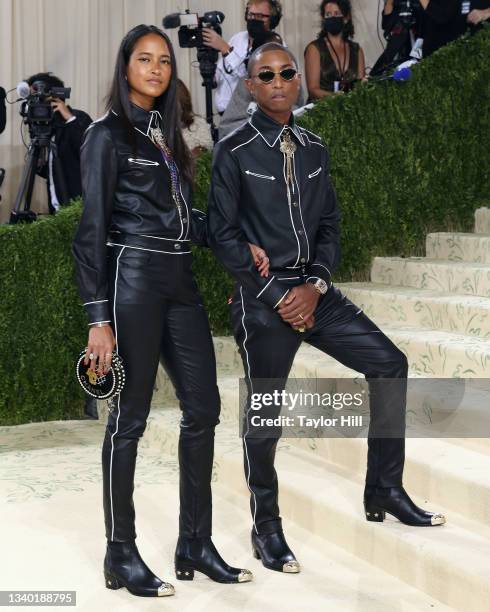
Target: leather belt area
{"x":150,"y":243}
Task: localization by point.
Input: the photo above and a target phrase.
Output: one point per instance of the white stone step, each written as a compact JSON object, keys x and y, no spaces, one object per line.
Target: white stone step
{"x":448,"y":277}
{"x":480,"y":445}
{"x":458,"y":246}
{"x":55,"y":529}
{"x":449,"y":562}
{"x":442,"y":354}
{"x":468,"y":315}
{"x":482,"y":220}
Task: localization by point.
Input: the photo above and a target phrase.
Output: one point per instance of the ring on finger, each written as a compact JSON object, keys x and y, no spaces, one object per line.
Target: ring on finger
{"x":301,"y":316}
{"x":91,"y":356}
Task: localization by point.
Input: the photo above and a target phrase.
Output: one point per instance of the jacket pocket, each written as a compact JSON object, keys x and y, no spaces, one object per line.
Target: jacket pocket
{"x":142,"y":162}
{"x":262,"y":176}
{"x":315,"y":173}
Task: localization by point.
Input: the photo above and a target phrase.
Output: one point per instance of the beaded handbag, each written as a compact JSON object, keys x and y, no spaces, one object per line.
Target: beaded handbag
{"x":105,"y":386}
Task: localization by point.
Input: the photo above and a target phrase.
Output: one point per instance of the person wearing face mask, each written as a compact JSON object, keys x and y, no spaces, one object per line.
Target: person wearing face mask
{"x":333,"y":62}
{"x":262,"y":17}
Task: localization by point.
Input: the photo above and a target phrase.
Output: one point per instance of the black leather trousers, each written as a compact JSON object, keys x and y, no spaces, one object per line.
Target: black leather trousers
{"x":158,"y":315}
{"x":268,"y":347}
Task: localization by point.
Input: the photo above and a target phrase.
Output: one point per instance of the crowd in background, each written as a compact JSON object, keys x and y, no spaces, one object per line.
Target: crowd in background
{"x":333,"y":65}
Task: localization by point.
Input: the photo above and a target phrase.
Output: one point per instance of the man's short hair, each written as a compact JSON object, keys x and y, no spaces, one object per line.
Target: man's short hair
{"x":275,"y":6}
{"x":47,"y":77}
{"x":270,"y":46}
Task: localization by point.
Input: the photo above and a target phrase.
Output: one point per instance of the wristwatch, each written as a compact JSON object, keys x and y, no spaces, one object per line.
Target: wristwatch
{"x":321,"y":286}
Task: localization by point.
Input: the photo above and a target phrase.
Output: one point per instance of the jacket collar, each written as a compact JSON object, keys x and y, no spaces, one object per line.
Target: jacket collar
{"x":270,"y":130}
{"x":144,"y":120}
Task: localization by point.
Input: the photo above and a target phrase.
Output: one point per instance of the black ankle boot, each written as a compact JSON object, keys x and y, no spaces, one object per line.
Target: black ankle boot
{"x":274,"y":551}
{"x":201,"y":555}
{"x":123,"y":567}
{"x":395,"y":501}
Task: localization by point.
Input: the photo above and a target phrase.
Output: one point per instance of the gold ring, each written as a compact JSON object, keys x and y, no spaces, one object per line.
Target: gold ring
{"x":301,"y":317}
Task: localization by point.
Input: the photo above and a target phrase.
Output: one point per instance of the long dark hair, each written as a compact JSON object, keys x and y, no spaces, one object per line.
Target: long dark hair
{"x":185,"y":101}
{"x":346,"y":10}
{"x":167,"y":104}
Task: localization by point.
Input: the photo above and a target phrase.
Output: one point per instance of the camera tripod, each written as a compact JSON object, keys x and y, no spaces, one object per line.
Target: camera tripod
{"x":40,"y":148}
{"x":207,"y":59}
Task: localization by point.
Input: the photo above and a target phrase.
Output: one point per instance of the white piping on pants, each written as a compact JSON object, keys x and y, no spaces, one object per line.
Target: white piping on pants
{"x":246,"y":414}
{"x":118,"y":397}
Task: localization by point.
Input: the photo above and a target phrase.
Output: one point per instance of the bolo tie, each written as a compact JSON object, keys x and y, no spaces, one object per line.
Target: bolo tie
{"x":288,"y":148}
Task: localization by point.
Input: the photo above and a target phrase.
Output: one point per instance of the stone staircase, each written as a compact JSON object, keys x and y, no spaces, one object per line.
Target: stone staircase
{"x":437,"y":310}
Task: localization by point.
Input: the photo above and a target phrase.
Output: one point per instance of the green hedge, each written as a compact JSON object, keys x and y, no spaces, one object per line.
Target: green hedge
{"x":405,"y":159}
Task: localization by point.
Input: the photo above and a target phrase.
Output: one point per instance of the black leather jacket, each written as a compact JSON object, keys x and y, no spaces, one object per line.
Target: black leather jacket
{"x":250,"y":202}
{"x":126,"y":193}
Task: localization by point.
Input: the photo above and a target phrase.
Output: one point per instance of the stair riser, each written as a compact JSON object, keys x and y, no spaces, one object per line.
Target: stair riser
{"x":425,"y":313}
{"x":458,"y":247}
{"x":482,"y":221}
{"x":423,"y":275}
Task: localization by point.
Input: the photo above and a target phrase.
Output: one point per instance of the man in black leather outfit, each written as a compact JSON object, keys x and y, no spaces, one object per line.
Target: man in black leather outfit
{"x":271,"y":186}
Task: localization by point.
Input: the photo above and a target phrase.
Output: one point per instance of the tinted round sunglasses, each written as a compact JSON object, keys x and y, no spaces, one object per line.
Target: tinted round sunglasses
{"x":286,"y":74}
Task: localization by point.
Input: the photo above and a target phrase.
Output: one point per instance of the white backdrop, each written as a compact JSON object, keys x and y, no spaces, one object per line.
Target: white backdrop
{"x":78,"y":41}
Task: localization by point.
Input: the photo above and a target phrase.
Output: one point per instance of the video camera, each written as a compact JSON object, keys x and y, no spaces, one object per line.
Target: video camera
{"x":191,"y":26}
{"x":36,"y":107}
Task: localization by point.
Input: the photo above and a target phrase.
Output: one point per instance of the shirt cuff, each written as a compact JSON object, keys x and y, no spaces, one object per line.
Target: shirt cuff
{"x":97,"y":311}
{"x":278,"y":303}
{"x":317,"y":270}
{"x":232,"y":61}
{"x":272,"y":292}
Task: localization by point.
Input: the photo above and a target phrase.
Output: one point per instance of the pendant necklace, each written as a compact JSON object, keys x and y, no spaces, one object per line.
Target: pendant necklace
{"x":288,"y":148}
{"x":158,"y":140}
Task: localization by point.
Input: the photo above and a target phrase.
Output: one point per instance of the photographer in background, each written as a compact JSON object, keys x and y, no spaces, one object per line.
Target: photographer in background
{"x":262,"y":17}
{"x":447,"y":20}
{"x":62,"y":171}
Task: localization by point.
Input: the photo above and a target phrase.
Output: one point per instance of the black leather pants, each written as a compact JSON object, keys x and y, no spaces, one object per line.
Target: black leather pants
{"x":268,"y":346}
{"x":158,"y":315}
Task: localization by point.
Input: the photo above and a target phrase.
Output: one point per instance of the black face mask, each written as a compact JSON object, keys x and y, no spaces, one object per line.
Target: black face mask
{"x":333,"y":25}
{"x":256,"y":30}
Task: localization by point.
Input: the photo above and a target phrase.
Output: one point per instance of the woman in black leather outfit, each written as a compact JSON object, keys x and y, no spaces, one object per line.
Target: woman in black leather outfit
{"x":133,"y":263}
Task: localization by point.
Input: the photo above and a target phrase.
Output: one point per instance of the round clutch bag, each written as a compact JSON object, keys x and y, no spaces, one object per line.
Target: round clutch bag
{"x":101,"y":387}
